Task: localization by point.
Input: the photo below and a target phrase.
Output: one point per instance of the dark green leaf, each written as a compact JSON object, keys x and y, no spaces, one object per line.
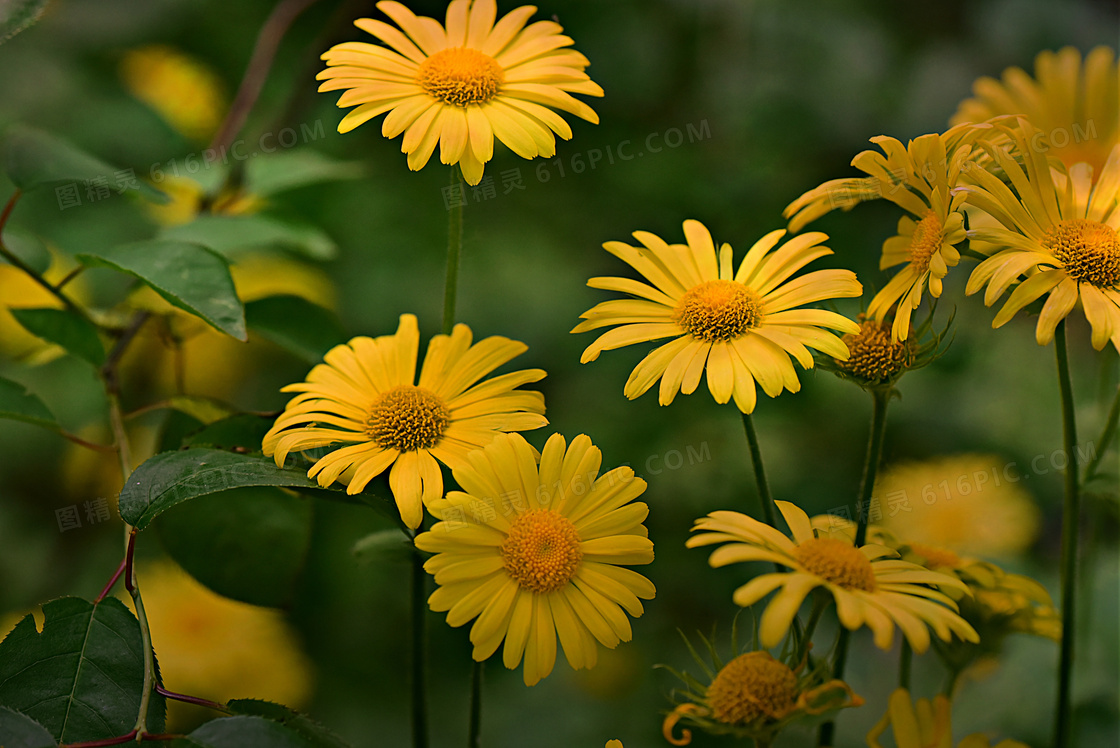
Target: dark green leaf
{"x":286,"y":170}
{"x":383,"y":544}
{"x":248,"y":544}
{"x":192,"y":277}
{"x":230,"y":235}
{"x":246,"y":732}
{"x":20,"y":731}
{"x":82,"y":677}
{"x":16,"y":16}
{"x":33,"y":158}
{"x":296,"y":325}
{"x":17,"y":404}
{"x":171,"y":478}
{"x":28,"y":247}
{"x":66,"y":328}
{"x":319,"y":736}
{"x":242,"y":431}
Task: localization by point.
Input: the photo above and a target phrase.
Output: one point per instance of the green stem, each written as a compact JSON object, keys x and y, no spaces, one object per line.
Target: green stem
{"x":419,"y":653}
{"x":474,"y":738}
{"x":880,"y":398}
{"x":1071,"y":515}
{"x":769,"y":512}
{"x":454,"y":252}
{"x":819,"y":605}
{"x":1100,"y":446}
{"x":905,"y":659}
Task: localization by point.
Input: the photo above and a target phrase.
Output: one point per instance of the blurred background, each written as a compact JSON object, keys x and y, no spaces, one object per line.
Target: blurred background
{"x":728,"y":109}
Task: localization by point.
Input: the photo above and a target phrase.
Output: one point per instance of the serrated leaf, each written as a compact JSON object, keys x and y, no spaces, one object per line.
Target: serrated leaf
{"x":287,"y":170}
{"x":17,"y":16}
{"x":66,"y":328}
{"x":248,"y":544}
{"x":316,"y":734}
{"x":242,"y":431}
{"x":171,"y":478}
{"x":17,"y":730}
{"x":28,"y":247}
{"x":192,"y":277}
{"x":245,"y":732}
{"x":82,"y":677}
{"x":296,"y":325}
{"x":33,"y":158}
{"x":17,"y":404}
{"x":230,"y":235}
{"x":387,"y":544}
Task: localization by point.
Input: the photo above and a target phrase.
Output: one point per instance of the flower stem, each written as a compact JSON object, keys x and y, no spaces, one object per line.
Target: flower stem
{"x":454,"y":252}
{"x":879,"y":400}
{"x":819,"y":605}
{"x":905,"y":658}
{"x":474,"y":738}
{"x":419,"y":654}
{"x":1071,"y":515}
{"x":1100,"y":446}
{"x":768,"y":506}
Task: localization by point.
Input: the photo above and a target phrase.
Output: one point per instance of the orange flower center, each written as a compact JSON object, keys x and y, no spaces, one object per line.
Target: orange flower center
{"x":838,"y":562}
{"x":751,"y":686}
{"x":541,"y":552}
{"x":927,"y":240}
{"x":1089,"y":251}
{"x":718,"y":310}
{"x":874,"y":356}
{"x":461,"y":76}
{"x":407,"y":418}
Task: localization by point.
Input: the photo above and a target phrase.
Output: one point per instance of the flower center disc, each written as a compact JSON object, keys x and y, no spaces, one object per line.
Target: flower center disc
{"x":541,"y":551}
{"x":407,"y":418}
{"x":840,"y":563}
{"x":873,"y":356}
{"x":1089,"y":251}
{"x":461,"y":76}
{"x":925,"y":241}
{"x":718,"y":310}
{"x":935,"y":556}
{"x":750,"y":686}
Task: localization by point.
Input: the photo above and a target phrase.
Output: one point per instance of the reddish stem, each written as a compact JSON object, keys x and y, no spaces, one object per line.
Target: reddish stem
{"x":107,"y":741}
{"x":198,"y":700}
{"x":116,"y":576}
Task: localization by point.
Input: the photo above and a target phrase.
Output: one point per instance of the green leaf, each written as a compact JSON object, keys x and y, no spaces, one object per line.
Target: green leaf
{"x":244,"y":732}
{"x":19,"y":15}
{"x":171,"y":478}
{"x":82,"y":677}
{"x":33,"y":158}
{"x":287,"y":170}
{"x":316,"y":734}
{"x":248,"y":544}
{"x":203,"y":409}
{"x":388,"y":544}
{"x":296,"y":325}
{"x":17,"y":404}
{"x":28,"y":247}
{"x":66,"y":328}
{"x":192,"y":277}
{"x":230,"y":235}
{"x":243,"y":431}
{"x":20,"y":731}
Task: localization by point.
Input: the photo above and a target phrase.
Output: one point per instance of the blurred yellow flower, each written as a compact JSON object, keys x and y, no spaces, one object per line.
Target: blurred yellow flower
{"x":187,"y":199}
{"x":547,"y":559}
{"x":923,"y":724}
{"x":462,"y":84}
{"x":186,"y":93}
{"x":969,"y":504}
{"x":1074,"y":105}
{"x":741,"y":327}
{"x":19,"y":291}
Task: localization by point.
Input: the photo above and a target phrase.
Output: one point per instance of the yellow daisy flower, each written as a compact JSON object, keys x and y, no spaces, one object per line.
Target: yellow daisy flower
{"x":185,"y":92}
{"x":739,"y":326}
{"x":1073,"y":104}
{"x":871,"y":585}
{"x":923,"y":724}
{"x":365,"y":395}
{"x":919,"y":178}
{"x":545,"y":556}
{"x":463,"y":84}
{"x":1056,"y":233}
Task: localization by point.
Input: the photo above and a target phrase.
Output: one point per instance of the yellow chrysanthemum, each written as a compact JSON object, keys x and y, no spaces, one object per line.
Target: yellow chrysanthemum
{"x":365,"y":395}
{"x":187,"y":197}
{"x":1057,"y":233}
{"x":739,"y":326}
{"x":463,"y":84}
{"x":871,"y":585}
{"x":545,"y":556}
{"x":1074,"y":105}
{"x":970,"y":504}
{"x":919,"y":178}
{"x":182,"y":90}
{"x":923,"y":724}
